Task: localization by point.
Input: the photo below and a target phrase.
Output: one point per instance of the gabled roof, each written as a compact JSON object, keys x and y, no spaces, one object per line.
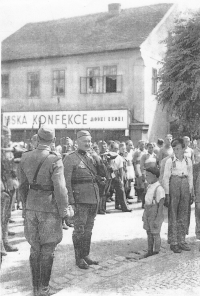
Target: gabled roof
{"x":84,"y":34}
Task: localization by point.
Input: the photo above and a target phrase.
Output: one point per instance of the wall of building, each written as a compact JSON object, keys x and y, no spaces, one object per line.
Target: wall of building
{"x":75,"y":67}
{"x":152,"y":52}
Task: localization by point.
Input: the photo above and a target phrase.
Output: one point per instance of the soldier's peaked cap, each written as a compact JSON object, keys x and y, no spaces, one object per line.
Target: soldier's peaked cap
{"x":46,"y":133}
{"x":83,"y":134}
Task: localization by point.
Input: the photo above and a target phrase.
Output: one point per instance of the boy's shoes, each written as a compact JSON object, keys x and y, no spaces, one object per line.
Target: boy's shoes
{"x":184,"y":247}
{"x":148,"y":254}
{"x":175,"y":248}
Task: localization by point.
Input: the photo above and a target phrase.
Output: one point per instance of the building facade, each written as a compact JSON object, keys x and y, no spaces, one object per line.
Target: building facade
{"x":98,"y":72}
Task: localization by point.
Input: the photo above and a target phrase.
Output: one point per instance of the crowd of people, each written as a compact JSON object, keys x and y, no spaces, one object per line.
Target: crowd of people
{"x":67,"y":185}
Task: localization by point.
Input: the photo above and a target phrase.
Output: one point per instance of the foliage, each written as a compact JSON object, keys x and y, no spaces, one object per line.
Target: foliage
{"x":180,"y":75}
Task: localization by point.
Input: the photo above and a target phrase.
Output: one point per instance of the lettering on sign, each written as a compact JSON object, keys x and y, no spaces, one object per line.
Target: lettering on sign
{"x":108,"y":119}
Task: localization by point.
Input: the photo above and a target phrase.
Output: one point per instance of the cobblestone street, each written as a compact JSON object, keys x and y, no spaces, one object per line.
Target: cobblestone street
{"x":115,"y":236}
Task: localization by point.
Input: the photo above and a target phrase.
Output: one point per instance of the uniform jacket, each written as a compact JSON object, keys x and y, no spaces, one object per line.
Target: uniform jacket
{"x":51,"y":173}
{"x":80,"y":182}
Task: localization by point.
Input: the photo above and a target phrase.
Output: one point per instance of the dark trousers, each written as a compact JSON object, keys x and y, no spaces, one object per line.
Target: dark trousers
{"x":178,"y":211}
{"x":83,"y":224}
{"x":120,"y":196}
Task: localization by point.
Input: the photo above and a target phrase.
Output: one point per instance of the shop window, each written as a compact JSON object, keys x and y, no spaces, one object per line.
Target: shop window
{"x":5,"y":85}
{"x":154,"y":81}
{"x":59,"y":83}
{"x":33,"y":84}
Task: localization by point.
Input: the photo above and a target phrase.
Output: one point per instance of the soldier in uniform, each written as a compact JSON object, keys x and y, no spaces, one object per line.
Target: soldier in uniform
{"x":45,"y":200}
{"x":8,"y":177}
{"x":82,"y":172}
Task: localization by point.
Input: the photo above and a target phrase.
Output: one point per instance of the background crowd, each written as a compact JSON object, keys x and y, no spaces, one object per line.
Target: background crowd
{"x":157,"y":175}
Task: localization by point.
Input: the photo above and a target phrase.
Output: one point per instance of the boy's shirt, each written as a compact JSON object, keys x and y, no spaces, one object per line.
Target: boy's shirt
{"x":175,"y":167}
{"x":160,"y":193}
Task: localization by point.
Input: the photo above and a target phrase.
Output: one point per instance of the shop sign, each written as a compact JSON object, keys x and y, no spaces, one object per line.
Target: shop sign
{"x":98,"y":119}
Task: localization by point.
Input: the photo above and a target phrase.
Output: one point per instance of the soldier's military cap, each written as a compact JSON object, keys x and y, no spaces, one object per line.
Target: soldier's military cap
{"x":83,"y":134}
{"x":154,"y":171}
{"x":46,"y":133}
{"x":6,"y":130}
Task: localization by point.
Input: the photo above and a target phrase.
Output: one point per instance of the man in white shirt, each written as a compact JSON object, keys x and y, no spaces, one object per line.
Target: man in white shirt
{"x":117,"y":179}
{"x":178,"y":186}
{"x":189,"y":152}
{"x":166,"y":150}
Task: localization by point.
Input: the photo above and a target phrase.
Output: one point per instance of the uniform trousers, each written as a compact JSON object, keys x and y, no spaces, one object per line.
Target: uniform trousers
{"x":84,"y":217}
{"x":178,"y":211}
{"x":43,"y":232}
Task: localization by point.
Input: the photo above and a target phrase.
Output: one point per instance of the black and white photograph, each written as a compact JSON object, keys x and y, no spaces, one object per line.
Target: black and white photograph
{"x":100,"y":148}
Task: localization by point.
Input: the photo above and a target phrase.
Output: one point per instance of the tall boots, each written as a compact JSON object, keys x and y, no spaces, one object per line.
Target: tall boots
{"x":8,"y":247}
{"x":78,"y":249}
{"x":41,"y":267}
{"x":35,"y":271}
{"x":46,"y":264}
{"x":86,"y":251}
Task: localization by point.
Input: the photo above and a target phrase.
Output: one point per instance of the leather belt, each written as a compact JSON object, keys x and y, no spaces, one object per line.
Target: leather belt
{"x":82,"y":181}
{"x":41,"y":187}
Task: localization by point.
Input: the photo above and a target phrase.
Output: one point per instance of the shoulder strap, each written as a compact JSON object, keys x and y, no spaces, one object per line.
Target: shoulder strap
{"x":154,"y":195}
{"x":85,"y":164}
{"x":38,"y":168}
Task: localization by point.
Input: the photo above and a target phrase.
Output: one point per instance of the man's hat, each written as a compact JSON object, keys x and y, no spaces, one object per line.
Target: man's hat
{"x":46,"y":133}
{"x":154,"y":171}
{"x":83,"y":134}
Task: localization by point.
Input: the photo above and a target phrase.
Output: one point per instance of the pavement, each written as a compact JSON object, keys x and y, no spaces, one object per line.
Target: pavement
{"x":115,"y":236}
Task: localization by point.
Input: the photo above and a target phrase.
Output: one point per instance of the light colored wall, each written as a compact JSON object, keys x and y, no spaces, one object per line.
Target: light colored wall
{"x":75,"y":67}
{"x":152,"y":52}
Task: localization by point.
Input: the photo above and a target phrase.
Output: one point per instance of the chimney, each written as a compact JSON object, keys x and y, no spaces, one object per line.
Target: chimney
{"x":114,"y":8}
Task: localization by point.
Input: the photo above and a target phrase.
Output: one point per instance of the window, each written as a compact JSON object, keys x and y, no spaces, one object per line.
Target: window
{"x":110,"y":79}
{"x":110,"y":82}
{"x":59,"y":83}
{"x":154,"y":81}
{"x":93,"y":80}
{"x":33,"y":84}
{"x":5,"y":85}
